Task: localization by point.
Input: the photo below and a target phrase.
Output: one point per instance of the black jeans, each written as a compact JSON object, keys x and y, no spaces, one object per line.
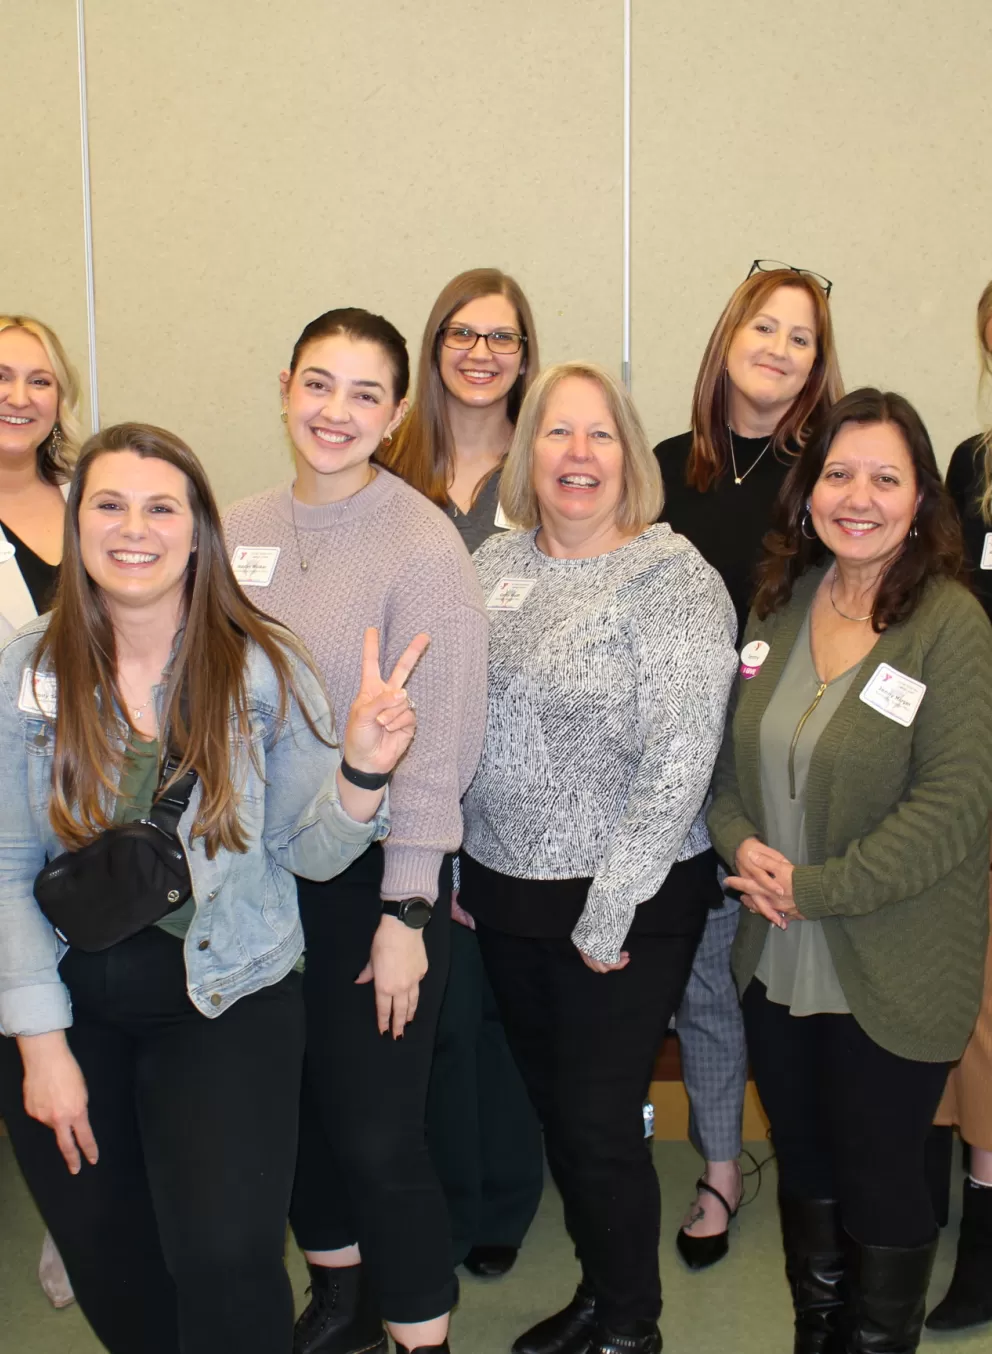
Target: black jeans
{"x":174,"y":1241}
{"x":586,"y":1044}
{"x":483,"y":1134}
{"x":364,"y":1173}
{"x":849,"y":1120}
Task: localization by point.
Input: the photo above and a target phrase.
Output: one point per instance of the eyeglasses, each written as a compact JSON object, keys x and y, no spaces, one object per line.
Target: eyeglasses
{"x":774,"y":266}
{"x":502,"y":341}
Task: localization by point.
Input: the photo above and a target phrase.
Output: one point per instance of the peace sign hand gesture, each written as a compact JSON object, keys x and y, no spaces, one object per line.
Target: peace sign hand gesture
{"x":381,"y":722}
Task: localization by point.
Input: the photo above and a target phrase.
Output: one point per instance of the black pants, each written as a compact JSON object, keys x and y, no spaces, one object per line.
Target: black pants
{"x":364,"y":1172}
{"x":586,"y":1044}
{"x":483,"y":1134}
{"x":849,"y":1120}
{"x":174,"y":1241}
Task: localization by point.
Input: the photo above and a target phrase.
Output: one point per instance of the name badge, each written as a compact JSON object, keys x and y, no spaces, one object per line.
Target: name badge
{"x":752,"y":657}
{"x":254,"y":565}
{"x":510,"y":594}
{"x":986,"y":552}
{"x":893,"y":694}
{"x":503,"y":522}
{"x":38,"y":694}
{"x":7,"y":551}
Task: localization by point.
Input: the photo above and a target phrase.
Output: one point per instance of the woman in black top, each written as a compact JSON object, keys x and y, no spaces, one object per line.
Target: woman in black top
{"x":967,"y":1102}
{"x":768,"y":371}
{"x":38,"y":438}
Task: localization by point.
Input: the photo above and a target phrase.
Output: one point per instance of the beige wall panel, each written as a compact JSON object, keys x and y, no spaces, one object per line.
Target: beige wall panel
{"x":255,"y":164}
{"x":43,"y":270}
{"x":851,"y":138}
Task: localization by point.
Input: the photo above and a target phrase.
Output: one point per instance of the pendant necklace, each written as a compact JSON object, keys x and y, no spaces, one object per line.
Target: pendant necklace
{"x":139,"y":710}
{"x":304,"y":562}
{"x":739,"y":479}
{"x":843,"y":614}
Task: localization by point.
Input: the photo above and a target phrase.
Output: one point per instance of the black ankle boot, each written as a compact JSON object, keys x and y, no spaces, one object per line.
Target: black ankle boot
{"x":442,"y":1348}
{"x":341,"y":1318}
{"x":567,"y":1332}
{"x":815,"y":1268}
{"x":969,"y":1299}
{"x":645,"y":1339}
{"x":888,"y":1297}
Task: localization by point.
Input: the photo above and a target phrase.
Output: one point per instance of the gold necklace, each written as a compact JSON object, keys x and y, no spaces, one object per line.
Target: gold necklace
{"x":843,"y":614}
{"x":739,"y":479}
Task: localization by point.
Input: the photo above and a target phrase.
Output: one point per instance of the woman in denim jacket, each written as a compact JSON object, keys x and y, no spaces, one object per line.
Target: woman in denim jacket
{"x":151,"y":1088}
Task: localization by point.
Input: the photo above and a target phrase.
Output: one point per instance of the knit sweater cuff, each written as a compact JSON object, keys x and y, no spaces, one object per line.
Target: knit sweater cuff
{"x":411,"y":871}
{"x":807,"y":890}
{"x":727,"y":835}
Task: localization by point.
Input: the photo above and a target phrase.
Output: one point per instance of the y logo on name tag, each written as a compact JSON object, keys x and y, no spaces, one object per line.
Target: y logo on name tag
{"x":254,"y":565}
{"x":893,"y":694}
{"x":38,"y":694}
{"x":510,"y":594}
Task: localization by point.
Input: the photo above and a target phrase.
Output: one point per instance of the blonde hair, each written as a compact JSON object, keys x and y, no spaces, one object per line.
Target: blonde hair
{"x":55,"y":461}
{"x":710,"y":454}
{"x":642,"y":496}
{"x":423,"y":449}
{"x":985,"y":389}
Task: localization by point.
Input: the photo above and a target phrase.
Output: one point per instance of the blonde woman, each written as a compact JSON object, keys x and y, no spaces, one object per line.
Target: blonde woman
{"x":477,"y":360}
{"x":967,"y":1101}
{"x":586,"y":864}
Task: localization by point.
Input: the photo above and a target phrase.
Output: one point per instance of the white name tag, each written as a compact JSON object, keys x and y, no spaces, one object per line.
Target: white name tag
{"x":987,"y":552}
{"x":254,"y":565}
{"x":752,"y":657}
{"x":7,"y":551}
{"x":38,"y":694}
{"x":893,"y":694}
{"x":503,"y":522}
{"x":510,"y":594}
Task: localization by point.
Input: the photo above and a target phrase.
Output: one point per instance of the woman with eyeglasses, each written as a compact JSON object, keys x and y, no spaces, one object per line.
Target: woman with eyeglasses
{"x":477,"y":361}
{"x":768,"y":373}
{"x":967,"y":1102}
{"x":347,"y":545}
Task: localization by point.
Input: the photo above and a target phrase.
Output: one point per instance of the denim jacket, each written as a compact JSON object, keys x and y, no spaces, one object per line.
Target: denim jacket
{"x":246,"y":932}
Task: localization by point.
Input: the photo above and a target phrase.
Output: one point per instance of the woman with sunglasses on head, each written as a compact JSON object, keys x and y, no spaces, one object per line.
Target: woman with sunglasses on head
{"x":347,"y":545}
{"x":769,"y":371}
{"x":157,"y":729}
{"x":477,"y":361}
{"x":967,"y":1102}
{"x":851,"y":799}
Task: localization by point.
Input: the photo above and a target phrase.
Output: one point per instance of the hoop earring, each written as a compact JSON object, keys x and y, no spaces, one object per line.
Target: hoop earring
{"x":803,"y":521}
{"x":913,"y":533}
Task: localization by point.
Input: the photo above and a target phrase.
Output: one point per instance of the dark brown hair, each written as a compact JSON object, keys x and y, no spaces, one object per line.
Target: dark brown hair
{"x":355,"y":323}
{"x":932,"y":549}
{"x":423,"y":451}
{"x":206,"y":699}
{"x":710,"y":454}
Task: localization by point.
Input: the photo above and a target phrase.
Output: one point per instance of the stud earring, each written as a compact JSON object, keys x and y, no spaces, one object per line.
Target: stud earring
{"x":387,"y":441}
{"x":285,"y":414}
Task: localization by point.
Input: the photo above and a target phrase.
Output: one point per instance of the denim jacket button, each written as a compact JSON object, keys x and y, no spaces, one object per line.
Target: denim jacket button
{"x":216,"y":999}
{"x":211,"y":896}
{"x":203,"y":945}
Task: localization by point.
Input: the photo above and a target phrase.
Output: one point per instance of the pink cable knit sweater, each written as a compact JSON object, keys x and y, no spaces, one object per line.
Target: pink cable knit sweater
{"x":387,"y":557}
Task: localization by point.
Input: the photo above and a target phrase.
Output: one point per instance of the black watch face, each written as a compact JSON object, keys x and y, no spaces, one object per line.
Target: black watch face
{"x":415,"y":912}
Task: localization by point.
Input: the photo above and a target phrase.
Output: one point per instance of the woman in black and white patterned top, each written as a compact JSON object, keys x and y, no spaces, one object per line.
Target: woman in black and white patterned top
{"x":586,"y":862}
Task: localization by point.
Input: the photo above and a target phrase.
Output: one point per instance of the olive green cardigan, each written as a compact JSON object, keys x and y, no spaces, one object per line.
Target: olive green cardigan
{"x":897,"y":823}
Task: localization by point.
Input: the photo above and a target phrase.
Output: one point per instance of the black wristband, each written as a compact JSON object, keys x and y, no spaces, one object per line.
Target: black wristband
{"x":365,"y":780}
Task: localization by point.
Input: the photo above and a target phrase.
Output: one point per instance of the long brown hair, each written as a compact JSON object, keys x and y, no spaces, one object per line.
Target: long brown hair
{"x":933,"y":548}
{"x":206,"y":700}
{"x":710,"y":454}
{"x":985,"y":388}
{"x":423,"y":450}
{"x":57,"y":452}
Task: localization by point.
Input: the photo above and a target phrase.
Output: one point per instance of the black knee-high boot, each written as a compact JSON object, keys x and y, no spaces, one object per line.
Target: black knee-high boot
{"x":888,"y":1297}
{"x":816,"y":1270}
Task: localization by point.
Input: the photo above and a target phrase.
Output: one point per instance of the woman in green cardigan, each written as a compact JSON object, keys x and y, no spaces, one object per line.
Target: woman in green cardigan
{"x":851,"y":801}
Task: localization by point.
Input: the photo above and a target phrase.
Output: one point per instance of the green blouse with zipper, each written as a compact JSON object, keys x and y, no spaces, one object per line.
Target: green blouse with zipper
{"x":896,"y":821}
{"x":140,"y":776}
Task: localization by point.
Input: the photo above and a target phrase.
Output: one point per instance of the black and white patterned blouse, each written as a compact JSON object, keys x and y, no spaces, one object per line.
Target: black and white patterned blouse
{"x":608,"y":685}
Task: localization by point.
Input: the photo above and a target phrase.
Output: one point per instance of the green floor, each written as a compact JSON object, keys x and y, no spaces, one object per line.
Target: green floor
{"x":740,"y":1306}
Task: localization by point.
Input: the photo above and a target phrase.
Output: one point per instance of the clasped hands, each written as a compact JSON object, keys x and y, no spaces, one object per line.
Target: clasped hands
{"x":764,"y":881}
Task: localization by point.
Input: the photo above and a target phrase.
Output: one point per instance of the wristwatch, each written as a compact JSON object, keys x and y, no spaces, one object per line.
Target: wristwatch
{"x":412,"y":912}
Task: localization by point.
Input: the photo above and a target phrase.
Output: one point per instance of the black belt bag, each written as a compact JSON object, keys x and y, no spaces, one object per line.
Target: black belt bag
{"x":128,"y":878}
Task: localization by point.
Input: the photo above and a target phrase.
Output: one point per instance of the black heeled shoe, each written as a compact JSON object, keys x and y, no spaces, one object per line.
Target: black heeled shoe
{"x":647,"y":1340}
{"x":442,"y":1348}
{"x":491,"y":1262}
{"x":699,"y":1252}
{"x":968,"y":1301}
{"x":569,"y":1331}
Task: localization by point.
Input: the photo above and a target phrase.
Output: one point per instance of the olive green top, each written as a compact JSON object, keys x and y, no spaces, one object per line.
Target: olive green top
{"x":897,"y":822}
{"x":135,"y":796}
{"x":795,"y":964}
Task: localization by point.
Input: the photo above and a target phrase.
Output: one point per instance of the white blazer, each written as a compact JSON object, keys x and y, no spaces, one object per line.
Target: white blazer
{"x":16,"y":606}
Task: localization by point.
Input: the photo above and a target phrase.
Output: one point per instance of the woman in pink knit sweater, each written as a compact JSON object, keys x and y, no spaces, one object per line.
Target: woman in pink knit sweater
{"x":346,"y":546}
